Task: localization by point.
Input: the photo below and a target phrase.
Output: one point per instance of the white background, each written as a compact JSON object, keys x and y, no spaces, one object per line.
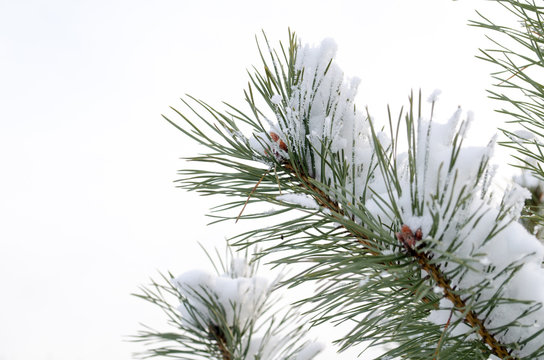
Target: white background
{"x":88,"y":207}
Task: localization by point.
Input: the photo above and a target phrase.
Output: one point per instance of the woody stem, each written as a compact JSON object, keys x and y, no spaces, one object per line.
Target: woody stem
{"x":221,"y":341}
{"x":460,"y":305}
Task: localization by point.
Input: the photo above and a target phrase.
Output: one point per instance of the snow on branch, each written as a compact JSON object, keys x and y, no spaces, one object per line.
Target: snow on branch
{"x":230,"y":315}
{"x":437,"y":186}
{"x":402,"y":204}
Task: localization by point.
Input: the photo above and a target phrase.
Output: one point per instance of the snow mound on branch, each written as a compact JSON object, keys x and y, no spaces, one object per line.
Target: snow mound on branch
{"x":237,"y":299}
{"x":241,"y":298}
{"x":323,"y":114}
{"x":264,"y":347}
{"x":320,"y":119}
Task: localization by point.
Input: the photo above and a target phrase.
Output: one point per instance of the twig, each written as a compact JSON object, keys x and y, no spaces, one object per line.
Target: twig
{"x":251,"y":193}
{"x":221,"y":340}
{"x":442,"y":336}
{"x":277,"y":179}
{"x":515,"y":74}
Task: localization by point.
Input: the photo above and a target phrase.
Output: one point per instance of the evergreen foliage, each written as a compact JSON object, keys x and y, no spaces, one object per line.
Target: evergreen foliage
{"x":230,"y":316}
{"x":398,"y":220}
{"x":517,"y":52}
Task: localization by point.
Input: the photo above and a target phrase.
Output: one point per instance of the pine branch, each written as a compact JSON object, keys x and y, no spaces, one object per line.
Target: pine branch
{"x":231,"y":316}
{"x":355,"y":192}
{"x":518,"y":53}
{"x":336,"y":211}
{"x":422,"y":258}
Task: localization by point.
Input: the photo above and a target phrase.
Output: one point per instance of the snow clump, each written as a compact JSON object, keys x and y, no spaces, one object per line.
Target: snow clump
{"x":237,"y":299}
{"x":239,"y":296}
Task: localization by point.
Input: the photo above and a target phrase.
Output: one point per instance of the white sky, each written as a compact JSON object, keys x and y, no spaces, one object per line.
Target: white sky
{"x":88,"y":208}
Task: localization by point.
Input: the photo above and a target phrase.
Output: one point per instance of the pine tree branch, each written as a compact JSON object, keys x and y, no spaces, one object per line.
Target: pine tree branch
{"x":423,"y":260}
{"x":324,"y":200}
{"x":355,"y":190}
{"x":211,"y":321}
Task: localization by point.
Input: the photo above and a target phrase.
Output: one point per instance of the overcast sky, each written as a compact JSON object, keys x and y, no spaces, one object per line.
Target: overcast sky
{"x":88,"y":207}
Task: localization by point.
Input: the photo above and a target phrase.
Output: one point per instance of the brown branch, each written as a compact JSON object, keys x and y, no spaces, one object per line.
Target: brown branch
{"x":322,"y":199}
{"x":471,"y":317}
{"x":442,"y":335}
{"x":515,"y":74}
{"x":218,"y":335}
{"x":251,"y":193}
{"x":422,"y":258}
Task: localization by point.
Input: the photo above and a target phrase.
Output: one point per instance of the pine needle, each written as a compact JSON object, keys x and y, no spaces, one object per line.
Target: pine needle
{"x":442,"y":336}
